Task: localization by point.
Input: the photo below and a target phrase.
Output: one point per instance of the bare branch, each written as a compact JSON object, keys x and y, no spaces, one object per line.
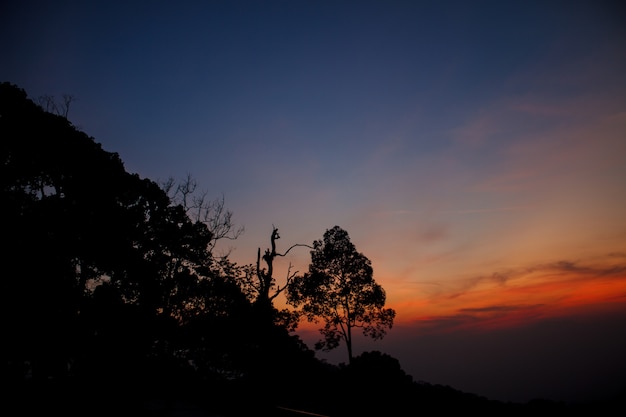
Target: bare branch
{"x":168,"y":186}
{"x":290,"y":277}
{"x":293,"y":246}
{"x":46,"y":101}
{"x":185,"y":189}
{"x":49,"y":104}
{"x":267,"y":282}
{"x":200,"y":209}
{"x":67,"y":100}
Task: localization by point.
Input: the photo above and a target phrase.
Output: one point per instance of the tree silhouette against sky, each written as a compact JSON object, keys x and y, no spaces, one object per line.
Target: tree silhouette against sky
{"x":340,"y":290}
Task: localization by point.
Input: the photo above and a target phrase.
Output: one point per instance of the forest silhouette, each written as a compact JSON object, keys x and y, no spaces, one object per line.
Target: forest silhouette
{"x":116,"y":304}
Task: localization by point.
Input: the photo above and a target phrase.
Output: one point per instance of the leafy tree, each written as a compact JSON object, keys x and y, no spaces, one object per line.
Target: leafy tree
{"x":102,"y":270}
{"x":340,"y":290}
{"x":59,"y":205}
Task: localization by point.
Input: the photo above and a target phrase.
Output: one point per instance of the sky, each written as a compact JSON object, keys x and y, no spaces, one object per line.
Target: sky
{"x":475,"y":152}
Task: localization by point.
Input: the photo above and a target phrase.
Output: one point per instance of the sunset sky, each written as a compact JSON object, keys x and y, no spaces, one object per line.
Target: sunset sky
{"x":475,"y":152}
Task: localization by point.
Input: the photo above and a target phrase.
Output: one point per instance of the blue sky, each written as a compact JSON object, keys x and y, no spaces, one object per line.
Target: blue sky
{"x":474,"y":151}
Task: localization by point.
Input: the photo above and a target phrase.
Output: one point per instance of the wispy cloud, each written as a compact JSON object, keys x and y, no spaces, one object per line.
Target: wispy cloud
{"x":497,"y":309}
{"x":487,"y":210}
{"x":521,"y":295}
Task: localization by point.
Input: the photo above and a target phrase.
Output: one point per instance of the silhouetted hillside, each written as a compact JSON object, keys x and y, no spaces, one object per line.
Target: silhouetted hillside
{"x":115,"y":304}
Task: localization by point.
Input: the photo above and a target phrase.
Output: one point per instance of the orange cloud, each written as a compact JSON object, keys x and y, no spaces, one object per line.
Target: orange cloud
{"x":518,"y":297}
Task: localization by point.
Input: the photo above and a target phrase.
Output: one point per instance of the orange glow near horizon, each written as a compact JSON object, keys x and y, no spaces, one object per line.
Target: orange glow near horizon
{"x":531,"y":296}
{"x":515,"y":298}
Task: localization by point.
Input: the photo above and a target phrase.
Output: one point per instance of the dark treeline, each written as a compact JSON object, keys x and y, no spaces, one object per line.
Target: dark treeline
{"x":116,"y":304}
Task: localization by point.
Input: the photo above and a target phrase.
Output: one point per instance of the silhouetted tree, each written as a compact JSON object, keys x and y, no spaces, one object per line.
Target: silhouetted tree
{"x":200,"y":208}
{"x":259,"y":283}
{"x":378,"y":373}
{"x":110,"y":280}
{"x":265,"y":285}
{"x":57,"y":200}
{"x":100,"y":266}
{"x":340,"y":290}
{"x":50,"y":104}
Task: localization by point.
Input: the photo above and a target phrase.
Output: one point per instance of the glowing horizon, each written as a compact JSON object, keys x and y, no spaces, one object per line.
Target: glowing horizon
{"x":475,"y":152}
{"x":511,"y":298}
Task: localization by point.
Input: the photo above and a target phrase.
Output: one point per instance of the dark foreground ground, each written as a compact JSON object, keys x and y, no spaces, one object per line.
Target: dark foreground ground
{"x":107,"y":400}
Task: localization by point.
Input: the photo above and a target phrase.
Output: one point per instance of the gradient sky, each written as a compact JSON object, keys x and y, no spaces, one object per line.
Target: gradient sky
{"x":475,"y":151}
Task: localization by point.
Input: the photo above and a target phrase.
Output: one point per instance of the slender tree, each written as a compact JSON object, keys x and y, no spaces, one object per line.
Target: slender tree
{"x":339,"y":290}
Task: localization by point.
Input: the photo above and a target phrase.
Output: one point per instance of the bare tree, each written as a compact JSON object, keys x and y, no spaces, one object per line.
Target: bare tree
{"x":49,"y":104}
{"x":266,"y":286}
{"x":200,"y":208}
{"x":261,"y":287}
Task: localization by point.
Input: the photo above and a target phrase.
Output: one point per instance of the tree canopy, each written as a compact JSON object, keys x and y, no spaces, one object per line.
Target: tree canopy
{"x":340,"y":290}
{"x":86,"y":242}
{"x":110,"y":283}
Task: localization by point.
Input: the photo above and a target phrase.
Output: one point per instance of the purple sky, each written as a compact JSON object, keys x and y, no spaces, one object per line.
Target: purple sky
{"x":474,"y":151}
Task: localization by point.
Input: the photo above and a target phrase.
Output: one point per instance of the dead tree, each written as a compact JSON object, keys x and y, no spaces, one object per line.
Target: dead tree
{"x":199,"y":208}
{"x":49,"y":104}
{"x":267,"y":289}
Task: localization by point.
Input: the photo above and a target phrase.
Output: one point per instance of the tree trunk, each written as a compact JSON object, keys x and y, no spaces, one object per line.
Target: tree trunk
{"x":349,"y":344}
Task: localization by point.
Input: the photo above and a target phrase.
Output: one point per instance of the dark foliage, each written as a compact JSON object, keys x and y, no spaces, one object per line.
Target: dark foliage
{"x":339,"y":289}
{"x":114,"y":304}
{"x":103,"y":275}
